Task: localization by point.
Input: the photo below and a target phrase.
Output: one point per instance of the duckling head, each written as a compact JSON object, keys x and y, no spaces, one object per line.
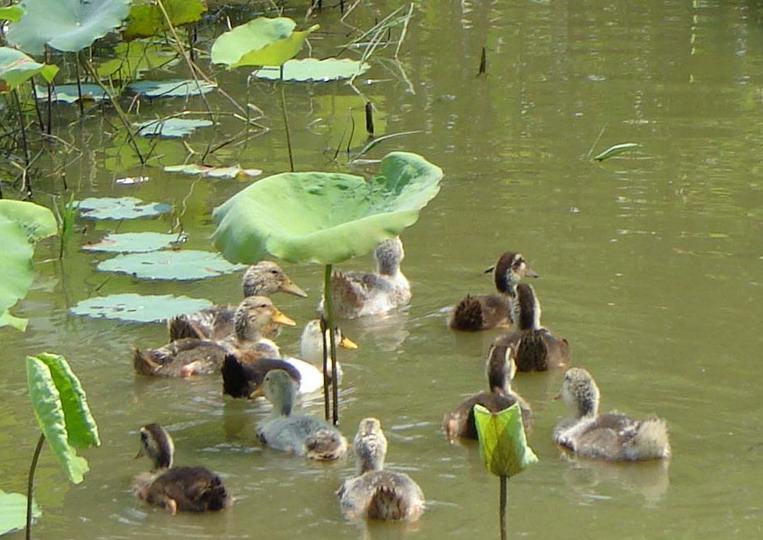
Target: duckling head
{"x":370,"y":445}
{"x":266,"y":278}
{"x":580,"y":393}
{"x":280,"y":390}
{"x":510,"y":268}
{"x":525,"y":309}
{"x":254,"y":314}
{"x":156,"y":443}
{"x":311,"y":342}
{"x":388,"y":255}
{"x":500,"y":368}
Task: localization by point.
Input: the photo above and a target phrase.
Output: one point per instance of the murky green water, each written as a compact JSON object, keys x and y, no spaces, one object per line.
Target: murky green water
{"x":650,"y":266}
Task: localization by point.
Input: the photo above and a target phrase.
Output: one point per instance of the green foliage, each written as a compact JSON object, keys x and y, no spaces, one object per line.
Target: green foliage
{"x":503,"y":445}
{"x":141,"y":242}
{"x":69,"y":93}
{"x":171,"y":88}
{"x":66,"y":25}
{"x":260,"y":42}
{"x":62,"y":412}
{"x":615,"y":150}
{"x":119,"y":208}
{"x":139,"y":308}
{"x":13,"y":512}
{"x":170,"y":128}
{"x":312,"y":69}
{"x":325,"y":217}
{"x":16,"y":68}
{"x":11,"y":13}
{"x":146,"y":18}
{"x":133,"y":58}
{"x":179,"y":265}
{"x":67,"y":215}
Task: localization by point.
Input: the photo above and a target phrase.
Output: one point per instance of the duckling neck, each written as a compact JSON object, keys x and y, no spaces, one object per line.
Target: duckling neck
{"x":285,"y":404}
{"x":588,"y":406}
{"x":245,"y":331}
{"x":498,"y":375}
{"x":526,"y":311}
{"x":387,"y":266}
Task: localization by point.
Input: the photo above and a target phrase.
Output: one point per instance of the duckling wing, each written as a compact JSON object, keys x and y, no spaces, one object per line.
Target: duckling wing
{"x":604,"y":436}
{"x":194,"y":489}
{"x":289,"y":433}
{"x":181,"y":358}
{"x":210,"y":323}
{"x":356,"y":294}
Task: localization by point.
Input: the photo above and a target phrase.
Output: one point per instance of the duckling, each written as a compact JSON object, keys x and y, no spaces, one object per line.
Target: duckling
{"x":535,"y":348}
{"x":310,"y":366}
{"x":500,"y":368}
{"x":177,"y":489}
{"x":488,"y":311}
{"x":190,"y":356}
{"x":296,"y":433}
{"x":612,"y":436}
{"x":375,"y":493}
{"x":358,"y":294}
{"x":217,"y":322}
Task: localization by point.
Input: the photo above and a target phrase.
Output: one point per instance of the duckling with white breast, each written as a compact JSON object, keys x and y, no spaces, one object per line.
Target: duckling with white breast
{"x":296,"y":433}
{"x":358,"y":294}
{"x":375,"y":493}
{"x":612,"y":436}
{"x":177,"y":489}
{"x":481,"y":312}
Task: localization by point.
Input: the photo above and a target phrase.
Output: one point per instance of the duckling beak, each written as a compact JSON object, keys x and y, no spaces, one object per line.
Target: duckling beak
{"x":140,"y":454}
{"x":348,"y":344}
{"x":289,"y":287}
{"x":530,"y":273}
{"x":488,"y":270}
{"x":558,"y":396}
{"x":280,"y":318}
{"x":257,"y":392}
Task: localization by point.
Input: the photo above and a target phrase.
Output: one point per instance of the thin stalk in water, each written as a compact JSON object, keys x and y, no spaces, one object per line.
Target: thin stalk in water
{"x":286,"y":125}
{"x":328,"y":314}
{"x":30,"y":486}
{"x":504,"y":505}
{"x":326,"y":380}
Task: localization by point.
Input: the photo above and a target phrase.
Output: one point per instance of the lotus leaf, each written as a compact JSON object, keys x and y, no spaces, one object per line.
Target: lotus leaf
{"x":180,"y":265}
{"x":13,"y":512}
{"x":146,"y":19}
{"x":324,"y":217}
{"x":170,"y":128}
{"x":503,"y":444}
{"x":141,"y":242}
{"x":37,"y":221}
{"x":312,"y":69}
{"x":66,"y":25}
{"x":139,"y":308}
{"x":260,"y":42}
{"x":13,"y":14}
{"x":69,"y":93}
{"x":133,"y":58}
{"x":16,"y":68}
{"x":171,"y":88}
{"x":214,"y":172}
{"x":119,"y":208}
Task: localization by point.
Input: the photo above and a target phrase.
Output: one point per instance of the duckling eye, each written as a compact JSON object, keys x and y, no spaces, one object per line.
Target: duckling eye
{"x":143,"y":436}
{"x":274,"y":272}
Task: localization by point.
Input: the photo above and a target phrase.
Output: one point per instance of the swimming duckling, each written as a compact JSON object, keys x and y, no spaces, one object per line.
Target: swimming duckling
{"x":217,"y":322}
{"x":535,"y":348}
{"x":481,"y":312}
{"x":296,"y":433}
{"x":375,"y":493}
{"x":177,"y":489}
{"x":358,"y":294}
{"x":189,"y":356}
{"x":311,"y":365}
{"x":611,"y":436}
{"x":459,"y":423}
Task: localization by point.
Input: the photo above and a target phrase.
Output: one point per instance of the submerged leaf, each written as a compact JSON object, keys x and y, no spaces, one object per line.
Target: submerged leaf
{"x":324,"y":217}
{"x":146,"y":19}
{"x":615,"y":150}
{"x":139,"y":308}
{"x":69,"y":93}
{"x":179,"y":265}
{"x":16,"y":68}
{"x":170,"y":128}
{"x":312,"y":69}
{"x":133,"y":58}
{"x":503,"y":444}
{"x":213,"y":172}
{"x":120,"y":208}
{"x":172,"y":88}
{"x":141,"y":242}
{"x":13,"y":512}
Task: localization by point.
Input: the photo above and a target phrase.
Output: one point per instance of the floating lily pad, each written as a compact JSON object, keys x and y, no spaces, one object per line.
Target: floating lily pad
{"x":312,"y":69}
{"x":143,"y":242}
{"x":179,"y":265}
{"x":13,"y":516}
{"x":67,"y":93}
{"x":139,"y":308}
{"x":147,"y":18}
{"x":214,"y":172}
{"x":170,"y":128}
{"x":133,"y":58}
{"x":119,"y":208}
{"x":172,"y":88}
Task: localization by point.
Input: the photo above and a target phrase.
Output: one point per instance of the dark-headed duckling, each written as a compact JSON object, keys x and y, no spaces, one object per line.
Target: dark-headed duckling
{"x":177,"y":489}
{"x":481,"y":312}
{"x":611,"y":436}
{"x":375,"y":493}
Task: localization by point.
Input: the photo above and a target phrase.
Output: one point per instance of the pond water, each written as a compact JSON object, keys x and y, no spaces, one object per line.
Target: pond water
{"x":650,"y":266}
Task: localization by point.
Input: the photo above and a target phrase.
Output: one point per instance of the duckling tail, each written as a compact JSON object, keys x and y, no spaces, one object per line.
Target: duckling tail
{"x":387,"y":504}
{"x":650,"y":441}
{"x":467,"y":316}
{"x":143,"y":363}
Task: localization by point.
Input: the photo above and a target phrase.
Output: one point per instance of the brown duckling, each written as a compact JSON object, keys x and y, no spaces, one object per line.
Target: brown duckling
{"x":481,"y":312}
{"x":459,"y":423}
{"x":189,"y":356}
{"x":217,"y":322}
{"x":375,"y":493}
{"x":611,"y":436}
{"x":177,"y":489}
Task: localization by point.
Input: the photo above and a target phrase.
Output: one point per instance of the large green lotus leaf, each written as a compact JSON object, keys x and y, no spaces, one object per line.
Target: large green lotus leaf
{"x":260,"y":42}
{"x":133,"y":58}
{"x":13,"y":512}
{"x":13,"y":14}
{"x":171,"y":88}
{"x":325,"y":217}
{"x":180,"y":265}
{"x":37,"y":221}
{"x":141,"y":242}
{"x":214,"y":172}
{"x":69,"y":93}
{"x":146,"y":18}
{"x":16,"y":68}
{"x":66,"y":25}
{"x":312,"y":69}
{"x":119,"y":208}
{"x":170,"y":128}
{"x":139,"y":308}
{"x":503,"y":444}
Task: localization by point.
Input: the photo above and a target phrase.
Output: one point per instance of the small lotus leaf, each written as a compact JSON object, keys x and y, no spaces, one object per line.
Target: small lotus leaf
{"x":119,"y":208}
{"x":37,"y":221}
{"x":13,"y":512}
{"x":141,"y":242}
{"x":146,"y":19}
{"x":139,"y":308}
{"x":503,"y":444}
{"x":179,"y":265}
{"x":66,"y":25}
{"x":213,"y":172}
{"x":170,"y":128}
{"x":172,"y":88}
{"x":68,"y":93}
{"x":312,"y":69}
{"x":13,"y":14}
{"x":16,"y":68}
